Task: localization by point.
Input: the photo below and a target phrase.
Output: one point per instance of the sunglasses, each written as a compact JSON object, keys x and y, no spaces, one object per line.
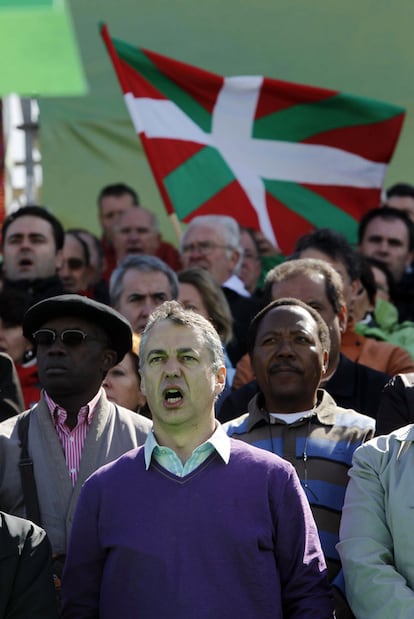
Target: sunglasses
{"x":68,"y":337}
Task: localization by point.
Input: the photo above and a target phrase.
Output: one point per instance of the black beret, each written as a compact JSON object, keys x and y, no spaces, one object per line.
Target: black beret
{"x":116,"y":327}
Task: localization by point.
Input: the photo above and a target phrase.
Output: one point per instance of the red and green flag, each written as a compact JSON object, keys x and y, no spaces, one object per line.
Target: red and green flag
{"x":280,"y":157}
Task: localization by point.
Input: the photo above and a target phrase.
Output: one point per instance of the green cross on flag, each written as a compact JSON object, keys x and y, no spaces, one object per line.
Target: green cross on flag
{"x":280,"y":157}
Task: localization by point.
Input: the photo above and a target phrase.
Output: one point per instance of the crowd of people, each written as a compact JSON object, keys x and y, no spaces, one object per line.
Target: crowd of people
{"x":212,"y":430}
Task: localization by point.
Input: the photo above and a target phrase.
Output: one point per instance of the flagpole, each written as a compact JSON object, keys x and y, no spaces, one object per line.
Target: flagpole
{"x":176,"y":225}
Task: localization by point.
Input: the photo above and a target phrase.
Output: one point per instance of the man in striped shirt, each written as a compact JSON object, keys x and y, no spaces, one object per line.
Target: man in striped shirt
{"x":73,"y":429}
{"x":289,"y":344}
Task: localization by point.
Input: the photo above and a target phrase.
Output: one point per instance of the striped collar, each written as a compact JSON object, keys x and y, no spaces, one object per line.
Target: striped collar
{"x":58,"y":413}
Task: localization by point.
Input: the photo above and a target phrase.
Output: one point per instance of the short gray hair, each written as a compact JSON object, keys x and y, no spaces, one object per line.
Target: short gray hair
{"x":226,"y":226}
{"x":144,"y":264}
{"x":175,"y":313}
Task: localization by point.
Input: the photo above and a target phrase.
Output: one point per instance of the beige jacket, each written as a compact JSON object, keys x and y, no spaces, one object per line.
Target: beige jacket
{"x":113,"y":431}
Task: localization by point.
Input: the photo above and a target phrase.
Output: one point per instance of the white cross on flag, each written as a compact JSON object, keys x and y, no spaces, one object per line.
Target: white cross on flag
{"x":280,"y":157}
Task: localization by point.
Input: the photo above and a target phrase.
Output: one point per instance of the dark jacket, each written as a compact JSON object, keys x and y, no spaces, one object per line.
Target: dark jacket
{"x":11,"y":398}
{"x":357,"y":386}
{"x":396,"y":407}
{"x":37,"y":289}
{"x":26,"y":581}
{"x":352,"y":386}
{"x":243,"y":309}
{"x":404,"y":299}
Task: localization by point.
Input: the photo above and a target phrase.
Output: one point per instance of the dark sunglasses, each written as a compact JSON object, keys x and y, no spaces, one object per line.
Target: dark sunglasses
{"x":68,"y":337}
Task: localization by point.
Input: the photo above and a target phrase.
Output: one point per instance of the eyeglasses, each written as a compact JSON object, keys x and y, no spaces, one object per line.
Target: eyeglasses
{"x":74,"y":264}
{"x":203,"y":247}
{"x":68,"y":337}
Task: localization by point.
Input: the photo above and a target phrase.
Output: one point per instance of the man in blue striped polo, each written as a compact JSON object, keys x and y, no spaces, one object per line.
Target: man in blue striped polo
{"x":291,"y":416}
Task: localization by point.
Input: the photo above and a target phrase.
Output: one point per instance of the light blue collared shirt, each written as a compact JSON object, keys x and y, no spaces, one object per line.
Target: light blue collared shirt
{"x":167,"y":458}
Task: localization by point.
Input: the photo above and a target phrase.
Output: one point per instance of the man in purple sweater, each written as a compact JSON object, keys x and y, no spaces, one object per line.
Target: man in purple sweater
{"x":193,"y":524}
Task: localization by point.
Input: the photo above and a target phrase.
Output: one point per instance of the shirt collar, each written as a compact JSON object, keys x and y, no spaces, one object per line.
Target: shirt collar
{"x":219,"y":440}
{"x":89,"y":407}
{"x":235,"y":283}
{"x":325,"y":410}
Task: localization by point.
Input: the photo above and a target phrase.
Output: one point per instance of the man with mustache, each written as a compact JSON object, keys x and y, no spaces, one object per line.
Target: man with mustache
{"x":315,"y":282}
{"x":288,"y":343}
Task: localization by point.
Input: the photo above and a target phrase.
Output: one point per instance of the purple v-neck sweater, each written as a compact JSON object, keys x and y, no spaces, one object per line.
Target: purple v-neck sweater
{"x":226,"y":541}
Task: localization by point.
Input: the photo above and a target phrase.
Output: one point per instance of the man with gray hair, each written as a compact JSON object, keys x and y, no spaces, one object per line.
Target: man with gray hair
{"x":138,"y":285}
{"x":212,"y":242}
{"x":179,"y":535}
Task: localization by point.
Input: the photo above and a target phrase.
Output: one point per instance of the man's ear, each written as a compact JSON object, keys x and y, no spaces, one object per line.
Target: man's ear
{"x":220,"y":380}
{"x":410,"y":259}
{"x":325,"y":362}
{"x":355,"y":287}
{"x":142,"y":385}
{"x":59,"y":259}
{"x":343,"y":318}
{"x":110,"y":358}
{"x":235,"y":259}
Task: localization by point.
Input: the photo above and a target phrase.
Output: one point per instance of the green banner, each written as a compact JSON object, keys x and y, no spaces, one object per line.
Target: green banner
{"x":39,"y":49}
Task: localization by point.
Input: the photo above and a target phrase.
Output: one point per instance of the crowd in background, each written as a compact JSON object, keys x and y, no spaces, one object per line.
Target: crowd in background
{"x":353,"y":377}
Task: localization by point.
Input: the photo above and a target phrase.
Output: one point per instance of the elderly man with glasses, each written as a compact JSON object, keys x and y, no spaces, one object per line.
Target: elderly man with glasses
{"x":48,"y":452}
{"x":212,"y":242}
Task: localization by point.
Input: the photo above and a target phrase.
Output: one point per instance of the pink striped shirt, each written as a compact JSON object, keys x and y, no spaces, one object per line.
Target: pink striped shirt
{"x":72,"y":441}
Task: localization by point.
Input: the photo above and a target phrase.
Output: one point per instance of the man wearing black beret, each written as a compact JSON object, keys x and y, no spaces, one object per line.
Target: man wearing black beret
{"x":73,"y":429}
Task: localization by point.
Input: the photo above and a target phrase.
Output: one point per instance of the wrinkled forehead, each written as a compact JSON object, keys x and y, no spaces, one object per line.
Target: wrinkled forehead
{"x":135,"y":216}
{"x":145,"y":282}
{"x":169,"y":334}
{"x":203,"y":232}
